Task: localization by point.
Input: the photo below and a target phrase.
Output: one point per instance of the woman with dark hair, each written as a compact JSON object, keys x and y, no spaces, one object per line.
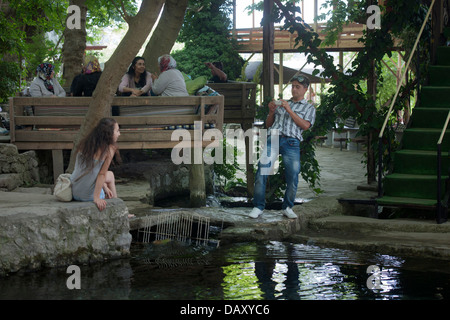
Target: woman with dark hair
{"x":137,"y":81}
{"x":91,"y":180}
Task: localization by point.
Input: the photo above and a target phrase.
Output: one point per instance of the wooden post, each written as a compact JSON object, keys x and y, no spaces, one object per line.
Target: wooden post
{"x":234,"y":18}
{"x":437,"y":25}
{"x":253,"y":16}
{"x":316,"y":12}
{"x":281,"y":75}
{"x":268,"y":45}
{"x":372,"y":91}
{"x":58,"y":163}
{"x":197,"y":186}
{"x":250,"y":175}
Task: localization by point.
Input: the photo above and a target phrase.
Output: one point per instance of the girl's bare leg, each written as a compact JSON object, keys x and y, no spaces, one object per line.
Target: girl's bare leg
{"x":111,"y":183}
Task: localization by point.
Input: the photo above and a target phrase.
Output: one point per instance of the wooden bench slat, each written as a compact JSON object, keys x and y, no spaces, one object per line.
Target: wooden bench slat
{"x":60,"y":120}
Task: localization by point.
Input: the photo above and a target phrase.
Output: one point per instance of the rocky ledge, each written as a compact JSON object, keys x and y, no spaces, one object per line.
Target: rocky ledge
{"x":38,"y":231}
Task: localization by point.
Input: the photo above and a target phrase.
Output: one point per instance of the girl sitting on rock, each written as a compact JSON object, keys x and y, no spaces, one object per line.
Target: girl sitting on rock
{"x":91,"y":180}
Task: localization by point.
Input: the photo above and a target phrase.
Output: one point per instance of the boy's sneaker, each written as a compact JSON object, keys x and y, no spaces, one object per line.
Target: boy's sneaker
{"x":256,"y":212}
{"x":289,"y":213}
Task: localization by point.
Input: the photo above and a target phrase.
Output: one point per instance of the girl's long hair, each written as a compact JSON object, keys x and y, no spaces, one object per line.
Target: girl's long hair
{"x":99,"y":139}
{"x":131,"y":72}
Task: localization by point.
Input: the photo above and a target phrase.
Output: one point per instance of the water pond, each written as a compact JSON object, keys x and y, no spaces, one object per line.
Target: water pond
{"x":170,"y":270}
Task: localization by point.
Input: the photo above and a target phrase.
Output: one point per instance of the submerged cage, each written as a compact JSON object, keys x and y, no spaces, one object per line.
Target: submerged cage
{"x":185,"y":227}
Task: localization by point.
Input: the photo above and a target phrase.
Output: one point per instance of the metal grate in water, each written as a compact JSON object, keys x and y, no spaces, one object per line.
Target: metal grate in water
{"x":179,"y":226}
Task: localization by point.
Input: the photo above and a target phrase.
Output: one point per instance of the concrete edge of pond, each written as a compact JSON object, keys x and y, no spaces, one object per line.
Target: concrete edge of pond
{"x":324,"y":222}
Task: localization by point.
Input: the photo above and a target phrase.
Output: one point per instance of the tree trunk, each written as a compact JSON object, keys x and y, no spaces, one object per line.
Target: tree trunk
{"x":100,"y":105}
{"x":165,"y":34}
{"x":74,"y":45}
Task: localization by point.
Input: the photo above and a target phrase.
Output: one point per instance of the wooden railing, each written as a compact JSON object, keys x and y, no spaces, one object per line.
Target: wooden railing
{"x":240,"y":101}
{"x":251,"y":39}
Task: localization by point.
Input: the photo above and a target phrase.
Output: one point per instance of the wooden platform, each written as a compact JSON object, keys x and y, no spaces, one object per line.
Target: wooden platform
{"x":251,"y":39}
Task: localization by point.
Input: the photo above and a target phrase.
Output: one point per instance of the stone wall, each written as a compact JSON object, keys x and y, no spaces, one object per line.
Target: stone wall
{"x":43,"y":232}
{"x":16,"y":169}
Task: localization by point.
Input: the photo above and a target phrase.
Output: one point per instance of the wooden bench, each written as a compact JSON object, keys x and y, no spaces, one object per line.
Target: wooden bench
{"x":56,"y":122}
{"x":359,"y":140}
{"x":237,"y":106}
{"x":240,"y":102}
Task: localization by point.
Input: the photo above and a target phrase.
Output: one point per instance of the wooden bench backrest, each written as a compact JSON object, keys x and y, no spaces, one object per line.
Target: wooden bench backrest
{"x":240,"y":100}
{"x":59,"y":119}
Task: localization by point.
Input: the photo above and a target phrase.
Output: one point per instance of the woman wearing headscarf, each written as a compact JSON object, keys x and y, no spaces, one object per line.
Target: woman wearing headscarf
{"x":170,"y":81}
{"x":45,"y":84}
{"x":137,"y":81}
{"x":87,"y":82}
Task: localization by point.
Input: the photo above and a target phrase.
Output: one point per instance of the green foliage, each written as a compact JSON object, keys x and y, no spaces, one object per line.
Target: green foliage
{"x":225,"y":172}
{"x":102,"y":14}
{"x":9,"y":72}
{"x":205,"y":37}
{"x":24,"y":35}
{"x":22,"y":29}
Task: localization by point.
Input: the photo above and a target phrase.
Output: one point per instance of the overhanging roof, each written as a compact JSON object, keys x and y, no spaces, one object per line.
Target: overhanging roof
{"x":288,"y":73}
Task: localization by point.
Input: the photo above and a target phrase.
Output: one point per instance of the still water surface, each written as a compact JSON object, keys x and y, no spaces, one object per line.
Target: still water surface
{"x":252,"y":271}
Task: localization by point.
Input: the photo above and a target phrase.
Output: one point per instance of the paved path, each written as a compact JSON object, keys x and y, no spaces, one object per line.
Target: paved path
{"x":341,"y":172}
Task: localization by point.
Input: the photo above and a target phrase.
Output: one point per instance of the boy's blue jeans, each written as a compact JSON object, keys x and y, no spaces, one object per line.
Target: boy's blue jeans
{"x":289,"y":148}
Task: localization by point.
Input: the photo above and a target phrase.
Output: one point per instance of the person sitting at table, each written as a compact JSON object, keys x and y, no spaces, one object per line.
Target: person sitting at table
{"x":87,"y":82}
{"x":137,"y":81}
{"x":170,"y":81}
{"x":45,"y":84}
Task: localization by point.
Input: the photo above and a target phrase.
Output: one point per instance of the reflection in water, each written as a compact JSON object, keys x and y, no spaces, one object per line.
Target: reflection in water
{"x":286,"y":271}
{"x":288,"y":277}
{"x":252,"y":271}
